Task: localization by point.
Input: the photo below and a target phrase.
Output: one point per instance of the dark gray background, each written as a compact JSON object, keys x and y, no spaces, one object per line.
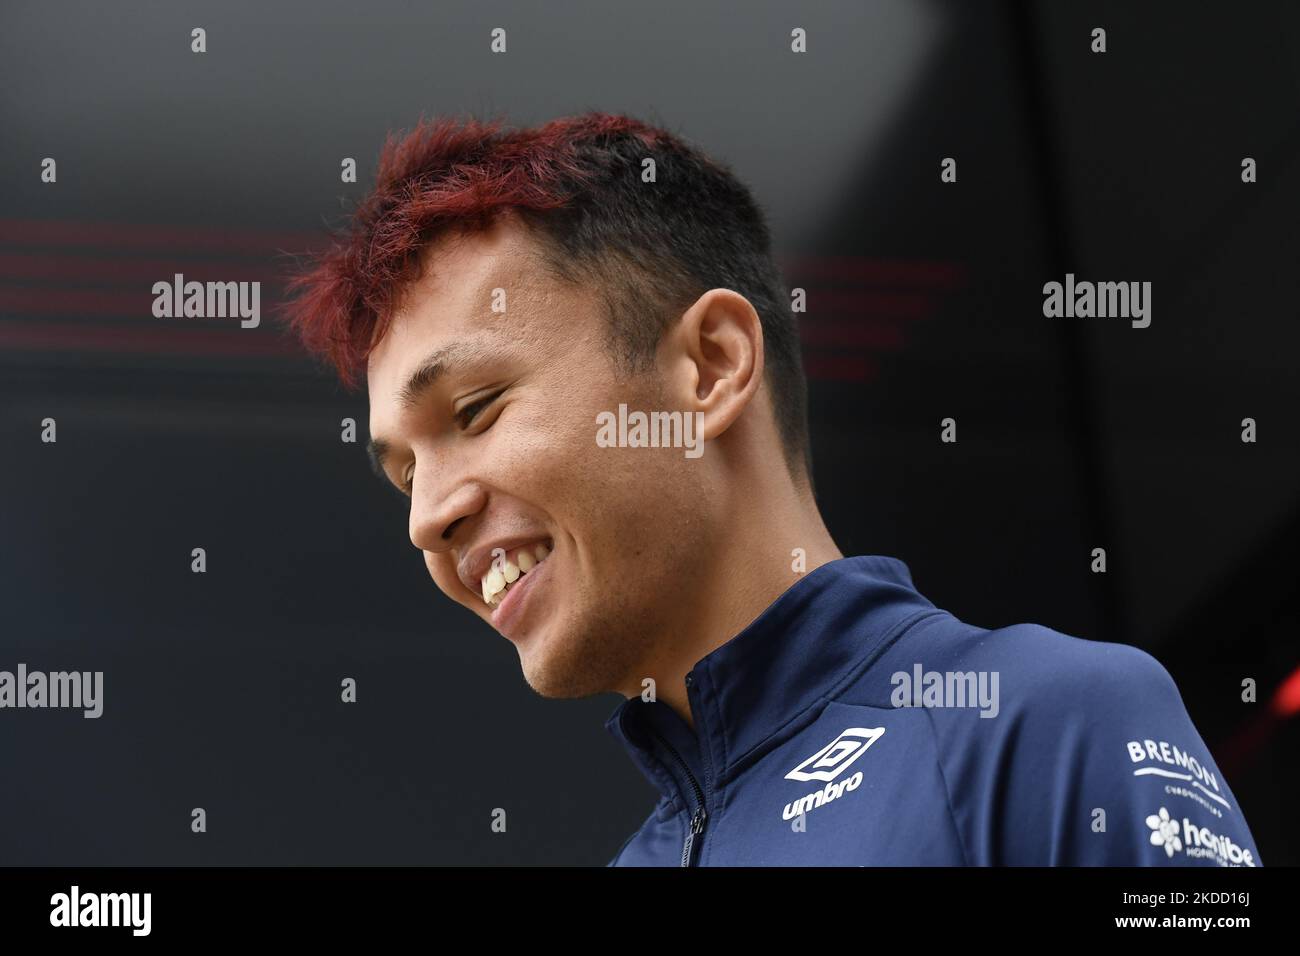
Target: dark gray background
{"x":222,"y":689}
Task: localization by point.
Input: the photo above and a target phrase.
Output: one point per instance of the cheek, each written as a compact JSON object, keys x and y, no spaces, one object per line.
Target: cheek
{"x":539,"y":451}
{"x":544,"y":454}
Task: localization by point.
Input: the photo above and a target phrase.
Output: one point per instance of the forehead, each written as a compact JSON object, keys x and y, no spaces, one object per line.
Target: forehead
{"x":452,"y":302}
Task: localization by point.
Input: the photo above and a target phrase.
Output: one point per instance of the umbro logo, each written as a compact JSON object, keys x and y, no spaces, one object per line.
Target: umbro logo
{"x":829,"y":762}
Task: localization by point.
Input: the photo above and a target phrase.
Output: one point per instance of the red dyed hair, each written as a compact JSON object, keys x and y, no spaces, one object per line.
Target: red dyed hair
{"x":443,"y":175}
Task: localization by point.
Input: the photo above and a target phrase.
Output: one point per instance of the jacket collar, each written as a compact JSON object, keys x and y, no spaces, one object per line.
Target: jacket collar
{"x":795,"y":656}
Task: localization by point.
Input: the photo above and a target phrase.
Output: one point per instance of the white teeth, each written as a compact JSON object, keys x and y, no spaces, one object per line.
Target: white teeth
{"x":504,"y":573}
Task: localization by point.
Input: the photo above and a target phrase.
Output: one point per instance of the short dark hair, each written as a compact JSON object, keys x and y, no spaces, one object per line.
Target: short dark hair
{"x":649,"y":249}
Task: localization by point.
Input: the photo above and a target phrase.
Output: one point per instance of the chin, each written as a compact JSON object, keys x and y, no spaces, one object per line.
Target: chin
{"x":559,"y":676}
{"x":556,"y":684}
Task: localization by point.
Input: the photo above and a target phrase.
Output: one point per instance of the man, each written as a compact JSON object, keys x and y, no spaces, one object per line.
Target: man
{"x":517,"y":299}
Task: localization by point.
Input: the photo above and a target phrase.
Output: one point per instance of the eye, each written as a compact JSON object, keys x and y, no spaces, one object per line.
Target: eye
{"x":465,"y":417}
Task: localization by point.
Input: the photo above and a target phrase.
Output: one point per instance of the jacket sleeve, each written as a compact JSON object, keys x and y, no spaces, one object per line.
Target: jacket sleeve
{"x":1093,"y":761}
{"x":613,"y":861}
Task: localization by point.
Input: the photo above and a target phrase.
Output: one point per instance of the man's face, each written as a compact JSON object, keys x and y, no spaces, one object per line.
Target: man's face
{"x":499,"y":446}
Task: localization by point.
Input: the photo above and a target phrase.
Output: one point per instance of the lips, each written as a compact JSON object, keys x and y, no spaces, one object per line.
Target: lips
{"x":490,"y":570}
{"x":520,"y":600}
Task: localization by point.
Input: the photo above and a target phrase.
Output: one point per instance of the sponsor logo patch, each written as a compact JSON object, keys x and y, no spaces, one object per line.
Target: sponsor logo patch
{"x":1188,"y":839}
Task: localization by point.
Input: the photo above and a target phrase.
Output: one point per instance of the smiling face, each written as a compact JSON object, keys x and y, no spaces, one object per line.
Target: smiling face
{"x":488,"y":420}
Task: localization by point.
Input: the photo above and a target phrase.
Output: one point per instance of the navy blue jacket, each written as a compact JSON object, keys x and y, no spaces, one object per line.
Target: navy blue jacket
{"x":853,"y":723}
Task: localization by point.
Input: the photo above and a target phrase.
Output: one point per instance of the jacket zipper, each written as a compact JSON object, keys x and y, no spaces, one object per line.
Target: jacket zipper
{"x":698,"y":815}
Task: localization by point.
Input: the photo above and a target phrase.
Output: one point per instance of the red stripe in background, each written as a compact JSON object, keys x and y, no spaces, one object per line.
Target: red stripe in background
{"x":170,"y":340}
{"x":923,"y":272}
{"x":132,"y":270}
{"x":860,"y":304}
{"x":908,"y":306}
{"x":76,"y":302}
{"x":868,"y":334}
{"x":859,"y":307}
{"x":841,"y":368}
{"x":116,"y":235}
{"x":87,"y":303}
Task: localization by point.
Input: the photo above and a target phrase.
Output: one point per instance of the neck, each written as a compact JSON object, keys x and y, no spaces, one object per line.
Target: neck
{"x":756,"y":554}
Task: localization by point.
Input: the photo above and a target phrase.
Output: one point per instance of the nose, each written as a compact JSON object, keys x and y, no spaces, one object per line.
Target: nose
{"x":439,"y":506}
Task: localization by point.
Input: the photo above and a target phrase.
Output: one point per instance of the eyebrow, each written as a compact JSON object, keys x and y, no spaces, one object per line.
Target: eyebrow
{"x":436,"y":365}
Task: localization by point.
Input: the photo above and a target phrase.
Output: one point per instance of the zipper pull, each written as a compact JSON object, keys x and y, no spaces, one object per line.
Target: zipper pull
{"x":697,"y":827}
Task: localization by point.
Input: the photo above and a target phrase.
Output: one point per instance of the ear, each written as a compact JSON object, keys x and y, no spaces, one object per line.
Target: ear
{"x":715,"y":358}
